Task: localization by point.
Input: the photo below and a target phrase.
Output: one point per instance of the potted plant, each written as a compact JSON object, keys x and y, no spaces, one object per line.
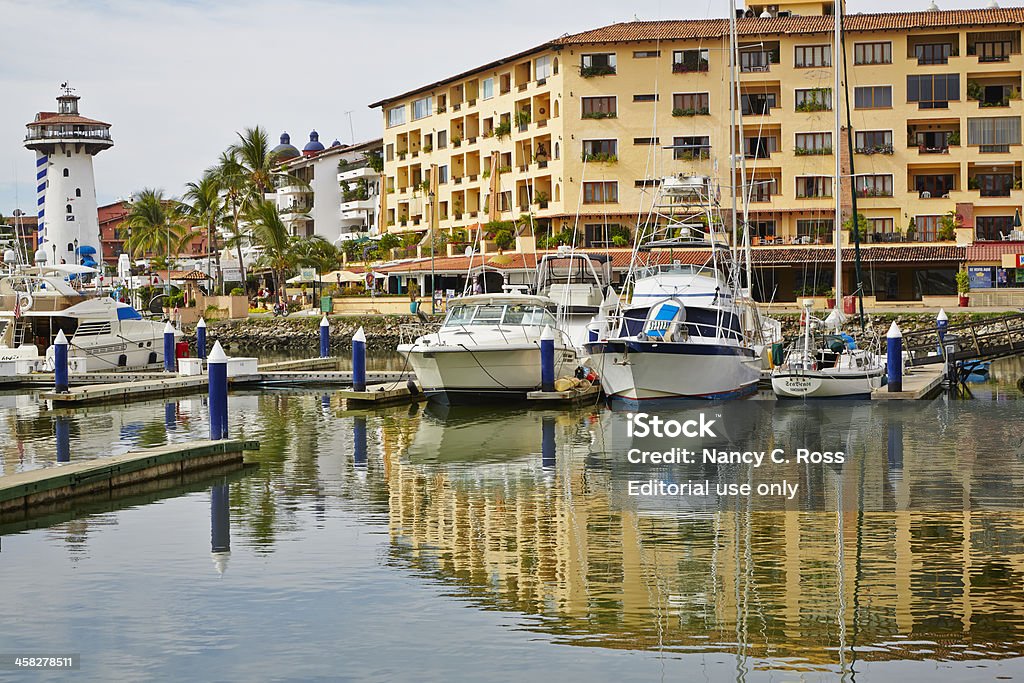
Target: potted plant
{"x":912,"y":229}
{"x":542,"y":199}
{"x":963,"y":286}
{"x":830,"y":298}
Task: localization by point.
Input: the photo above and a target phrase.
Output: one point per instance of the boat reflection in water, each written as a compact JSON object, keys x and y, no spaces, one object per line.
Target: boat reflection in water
{"x":902,"y":552}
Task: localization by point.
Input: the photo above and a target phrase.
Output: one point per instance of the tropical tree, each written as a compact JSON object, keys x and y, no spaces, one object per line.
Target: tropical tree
{"x":204,"y":206}
{"x":229,"y":175}
{"x":154,"y":224}
{"x":279,"y":247}
{"x":316,"y":252}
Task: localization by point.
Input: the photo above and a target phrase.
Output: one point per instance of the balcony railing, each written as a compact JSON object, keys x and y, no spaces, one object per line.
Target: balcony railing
{"x":49,"y":133}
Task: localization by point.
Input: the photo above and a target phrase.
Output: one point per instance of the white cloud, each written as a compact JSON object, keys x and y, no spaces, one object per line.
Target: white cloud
{"x":177,"y":79}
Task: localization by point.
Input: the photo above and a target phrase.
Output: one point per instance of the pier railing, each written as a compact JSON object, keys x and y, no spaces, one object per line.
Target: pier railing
{"x":974,"y":340}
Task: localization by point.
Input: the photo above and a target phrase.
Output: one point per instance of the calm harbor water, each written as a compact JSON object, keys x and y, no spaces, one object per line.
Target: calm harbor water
{"x":467,"y":544}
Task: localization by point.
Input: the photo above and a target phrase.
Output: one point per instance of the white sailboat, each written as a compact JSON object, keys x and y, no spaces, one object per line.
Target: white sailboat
{"x":830,"y":365}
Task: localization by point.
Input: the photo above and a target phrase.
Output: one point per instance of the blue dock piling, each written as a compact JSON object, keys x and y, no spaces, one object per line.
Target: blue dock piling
{"x":547,"y":360}
{"x":62,"y":430}
{"x":325,"y":338}
{"x":218,"y":399}
{"x":220,"y":519}
{"x":201,"y":339}
{"x":894,"y":358}
{"x":359,"y":360}
{"x":169,"y":365}
{"x":60,"y":364}
{"x":942,"y":324}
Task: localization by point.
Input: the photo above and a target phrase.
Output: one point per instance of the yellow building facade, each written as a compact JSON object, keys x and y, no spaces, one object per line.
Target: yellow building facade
{"x":579,"y":129}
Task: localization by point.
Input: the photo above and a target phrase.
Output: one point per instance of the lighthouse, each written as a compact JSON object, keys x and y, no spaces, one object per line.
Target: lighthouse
{"x":65,"y":143}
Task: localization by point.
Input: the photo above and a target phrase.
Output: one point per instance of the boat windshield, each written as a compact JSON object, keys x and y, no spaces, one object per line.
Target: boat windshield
{"x":678,"y":269}
{"x":495,"y":314}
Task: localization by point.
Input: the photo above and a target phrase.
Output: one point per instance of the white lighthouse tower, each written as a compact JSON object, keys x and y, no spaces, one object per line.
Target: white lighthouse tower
{"x":65,"y":142}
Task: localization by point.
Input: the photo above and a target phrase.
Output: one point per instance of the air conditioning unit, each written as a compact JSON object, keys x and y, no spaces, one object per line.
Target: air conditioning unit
{"x":785,"y":13}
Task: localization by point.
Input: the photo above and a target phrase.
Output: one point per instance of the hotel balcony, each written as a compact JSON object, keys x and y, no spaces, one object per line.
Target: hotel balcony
{"x":993,"y":92}
{"x":995,"y":181}
{"x":994,"y":47}
{"x":933,"y":49}
{"x":288,"y":190}
{"x":934,"y":136}
{"x":359,"y":205}
{"x":357,"y":174}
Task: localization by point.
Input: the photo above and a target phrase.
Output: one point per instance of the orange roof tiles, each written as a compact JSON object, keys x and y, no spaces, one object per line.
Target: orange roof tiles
{"x":49,"y":118}
{"x":697,"y":29}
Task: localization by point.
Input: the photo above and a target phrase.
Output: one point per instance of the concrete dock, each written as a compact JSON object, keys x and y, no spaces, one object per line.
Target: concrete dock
{"x":43,"y":488}
{"x":921,"y":382}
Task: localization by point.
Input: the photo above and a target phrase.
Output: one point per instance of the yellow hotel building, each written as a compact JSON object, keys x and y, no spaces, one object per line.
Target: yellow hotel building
{"x":576,"y":131}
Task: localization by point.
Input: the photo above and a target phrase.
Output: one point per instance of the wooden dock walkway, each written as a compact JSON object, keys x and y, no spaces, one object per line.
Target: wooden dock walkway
{"x":21,"y":492}
{"x":984,"y":339}
{"x":919,"y":383}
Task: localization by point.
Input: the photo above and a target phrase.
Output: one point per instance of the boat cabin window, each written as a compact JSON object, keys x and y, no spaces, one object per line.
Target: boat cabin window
{"x":572,"y":271}
{"x":490,"y":314}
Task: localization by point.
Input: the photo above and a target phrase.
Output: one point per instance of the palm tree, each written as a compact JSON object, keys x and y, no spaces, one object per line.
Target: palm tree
{"x":154,"y":224}
{"x":256,"y":161}
{"x":230,"y":177}
{"x":272,"y":236}
{"x":204,"y":206}
{"x":316,"y":252}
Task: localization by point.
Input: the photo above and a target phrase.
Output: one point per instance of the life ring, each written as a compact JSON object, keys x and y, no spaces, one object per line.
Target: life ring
{"x":25,"y":301}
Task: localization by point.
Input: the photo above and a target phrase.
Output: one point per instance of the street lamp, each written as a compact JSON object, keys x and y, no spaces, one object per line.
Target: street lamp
{"x":433,"y":284}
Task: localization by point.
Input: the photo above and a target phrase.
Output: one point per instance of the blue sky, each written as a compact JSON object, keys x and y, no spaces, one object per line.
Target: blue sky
{"x":178,"y":78}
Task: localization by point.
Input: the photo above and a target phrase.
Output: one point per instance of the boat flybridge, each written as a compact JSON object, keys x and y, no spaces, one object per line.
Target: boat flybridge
{"x":36,"y":303}
{"x":579,"y":283}
{"x":488,"y":347}
{"x":687,"y":330}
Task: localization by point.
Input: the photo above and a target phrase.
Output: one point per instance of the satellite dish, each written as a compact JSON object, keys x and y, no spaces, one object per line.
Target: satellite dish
{"x":469,"y":252}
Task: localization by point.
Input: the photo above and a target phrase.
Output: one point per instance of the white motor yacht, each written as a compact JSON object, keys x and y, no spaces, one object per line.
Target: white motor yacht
{"x":103,"y":334}
{"x":488,"y":347}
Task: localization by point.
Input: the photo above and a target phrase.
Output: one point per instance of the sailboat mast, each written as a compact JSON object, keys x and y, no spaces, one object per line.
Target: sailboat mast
{"x":738,"y":116}
{"x":838,"y":185}
{"x":732,"y":120}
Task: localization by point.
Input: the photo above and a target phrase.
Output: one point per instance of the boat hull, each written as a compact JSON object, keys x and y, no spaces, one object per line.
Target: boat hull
{"x":639,"y":371}
{"x":822,"y":384}
{"x":463,"y":375}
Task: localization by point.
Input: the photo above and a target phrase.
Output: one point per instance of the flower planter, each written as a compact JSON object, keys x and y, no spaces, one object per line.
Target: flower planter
{"x":964,"y":301}
{"x":830,"y":303}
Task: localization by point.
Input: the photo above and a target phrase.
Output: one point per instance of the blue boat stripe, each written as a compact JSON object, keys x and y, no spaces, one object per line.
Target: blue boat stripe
{"x":616,"y":346}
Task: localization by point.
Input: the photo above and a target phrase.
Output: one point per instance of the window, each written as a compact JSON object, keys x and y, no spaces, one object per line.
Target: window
{"x":543,"y":67}
{"x":872,"y":97}
{"x":760,"y":147}
{"x":68,"y":208}
{"x":993,"y":184}
{"x":600,"y":150}
{"x":506,"y":83}
{"x":812,"y":143}
{"x":599,"y":107}
{"x":598,"y":64}
{"x":690,"y":148}
{"x":881,"y":226}
{"x":396,"y":116}
{"x":389,"y":152}
{"x":599,"y":235}
{"x":808,"y":56}
{"x":78,"y":192}
{"x":653,"y":97}
{"x":874,"y":185}
{"x":933,"y":91}
{"x":690,"y":103}
{"x":816,"y":229}
{"x":646,"y":141}
{"x":813,"y":186}
{"x":993,"y":131}
{"x":422,"y":108}
{"x":933,"y":53}
{"x":442,"y":139}
{"x":928,"y":228}
{"x":872,"y":53}
{"x":600,"y":192}
{"x":993,"y":227}
{"x":765,"y":228}
{"x":647,"y":182}
{"x":487,"y":89}
{"x":935,"y":185}
{"x":873,"y":141}
{"x":755,"y":104}
{"x":67,"y":173}
{"x":688,"y":61}
{"x":994,"y":46}
{"x":646,"y":54}
{"x":758,"y":57}
{"x":814,"y":99}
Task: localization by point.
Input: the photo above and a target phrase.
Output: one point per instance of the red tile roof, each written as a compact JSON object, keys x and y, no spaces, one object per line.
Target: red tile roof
{"x":49,"y":118}
{"x":993,"y":251}
{"x":698,"y":29}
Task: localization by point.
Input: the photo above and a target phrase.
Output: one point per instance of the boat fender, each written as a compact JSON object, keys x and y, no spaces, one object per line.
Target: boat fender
{"x":413,"y":389}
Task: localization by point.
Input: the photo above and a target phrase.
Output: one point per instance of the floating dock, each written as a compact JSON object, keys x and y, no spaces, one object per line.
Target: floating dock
{"x":922,"y":382}
{"x":573,"y":396}
{"x":383,"y":394}
{"x":23,"y":492}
